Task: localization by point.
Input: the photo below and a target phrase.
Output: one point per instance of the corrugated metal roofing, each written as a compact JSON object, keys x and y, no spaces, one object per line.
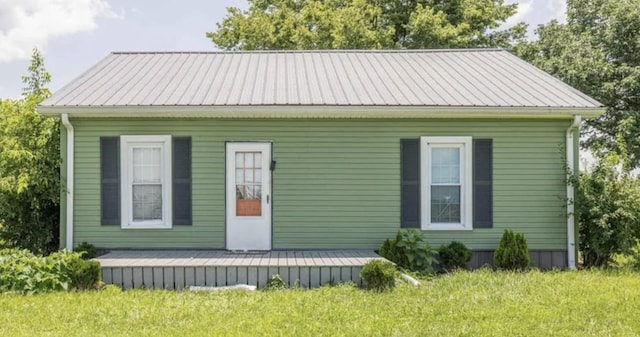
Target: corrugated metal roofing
{"x":472,"y":77}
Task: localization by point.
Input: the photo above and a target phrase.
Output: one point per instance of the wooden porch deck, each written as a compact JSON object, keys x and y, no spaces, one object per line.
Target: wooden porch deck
{"x":177,"y":269}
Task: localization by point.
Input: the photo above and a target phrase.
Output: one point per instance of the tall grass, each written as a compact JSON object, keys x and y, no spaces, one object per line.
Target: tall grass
{"x":482,"y":303}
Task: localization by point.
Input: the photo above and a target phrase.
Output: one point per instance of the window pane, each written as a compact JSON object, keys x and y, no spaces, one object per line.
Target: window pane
{"x":239,"y":159}
{"x":248,"y":160}
{"x":248,"y":178}
{"x":445,"y":204}
{"x":445,"y":165}
{"x":239,"y":176}
{"x":258,"y":160}
{"x":147,"y":202}
{"x":248,"y":200}
{"x":146,"y":165}
{"x":248,"y":184}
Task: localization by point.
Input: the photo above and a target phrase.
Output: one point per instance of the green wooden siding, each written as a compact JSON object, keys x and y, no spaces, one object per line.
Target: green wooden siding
{"x":337,"y":182}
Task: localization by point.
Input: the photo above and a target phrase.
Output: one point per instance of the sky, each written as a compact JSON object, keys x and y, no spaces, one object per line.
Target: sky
{"x":73,"y":35}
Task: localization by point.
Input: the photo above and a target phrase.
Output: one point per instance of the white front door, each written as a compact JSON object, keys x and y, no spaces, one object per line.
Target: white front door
{"x":248,"y":196}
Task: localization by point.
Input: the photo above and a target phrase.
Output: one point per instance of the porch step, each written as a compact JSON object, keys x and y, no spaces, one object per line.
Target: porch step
{"x":177,"y":278}
{"x":181,"y":269}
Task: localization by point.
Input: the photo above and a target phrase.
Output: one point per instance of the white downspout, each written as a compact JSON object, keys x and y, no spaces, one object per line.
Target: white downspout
{"x":70,"y":178}
{"x":571,"y":234}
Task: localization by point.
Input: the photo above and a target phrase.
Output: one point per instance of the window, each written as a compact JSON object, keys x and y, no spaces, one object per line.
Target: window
{"x":146,"y":181}
{"x":446,"y":183}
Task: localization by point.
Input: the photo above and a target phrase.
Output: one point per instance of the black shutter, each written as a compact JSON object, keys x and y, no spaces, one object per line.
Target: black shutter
{"x":410,"y":183}
{"x":182,"y":181}
{"x":482,"y":183}
{"x":110,"y":180}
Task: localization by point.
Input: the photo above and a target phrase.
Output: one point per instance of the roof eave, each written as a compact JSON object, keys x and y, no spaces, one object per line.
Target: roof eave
{"x":314,"y":111}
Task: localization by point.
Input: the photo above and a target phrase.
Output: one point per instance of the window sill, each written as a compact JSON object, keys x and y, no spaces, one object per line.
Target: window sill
{"x":146,"y":226}
{"x":443,"y":227}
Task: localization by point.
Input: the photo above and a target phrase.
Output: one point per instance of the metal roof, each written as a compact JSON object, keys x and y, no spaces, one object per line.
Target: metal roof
{"x":407,"y":78}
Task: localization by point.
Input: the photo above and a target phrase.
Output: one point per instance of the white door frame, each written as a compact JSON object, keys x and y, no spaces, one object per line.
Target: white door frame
{"x":244,"y":233}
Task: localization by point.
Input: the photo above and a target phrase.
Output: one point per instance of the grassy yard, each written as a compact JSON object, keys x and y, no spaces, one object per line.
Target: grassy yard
{"x":483,"y":303}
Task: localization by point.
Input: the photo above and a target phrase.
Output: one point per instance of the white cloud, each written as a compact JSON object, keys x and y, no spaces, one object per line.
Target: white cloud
{"x":558,"y":9}
{"x":25,"y":24}
{"x":524,"y":8}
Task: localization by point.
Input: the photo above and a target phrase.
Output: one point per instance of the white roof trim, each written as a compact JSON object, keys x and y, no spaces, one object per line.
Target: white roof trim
{"x":269,"y":112}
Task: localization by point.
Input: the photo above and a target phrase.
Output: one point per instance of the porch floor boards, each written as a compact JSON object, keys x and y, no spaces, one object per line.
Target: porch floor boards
{"x":184,"y":258}
{"x":177,"y":269}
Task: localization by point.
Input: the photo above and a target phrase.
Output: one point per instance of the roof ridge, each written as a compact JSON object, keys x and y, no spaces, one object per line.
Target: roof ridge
{"x":319,"y":51}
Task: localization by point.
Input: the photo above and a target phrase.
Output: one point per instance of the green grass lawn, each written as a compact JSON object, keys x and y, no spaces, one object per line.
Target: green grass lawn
{"x":483,"y":303}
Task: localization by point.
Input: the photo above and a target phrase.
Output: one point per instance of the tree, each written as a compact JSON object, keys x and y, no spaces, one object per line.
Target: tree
{"x":608,"y":210}
{"x":598,"y":52}
{"x":29,"y":167}
{"x":367,"y":24}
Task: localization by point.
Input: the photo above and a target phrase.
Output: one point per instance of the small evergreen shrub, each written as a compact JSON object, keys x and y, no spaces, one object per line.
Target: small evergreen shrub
{"x":512,"y":252}
{"x":84,"y":274}
{"x":454,"y":256}
{"x":87,"y":250}
{"x":379,"y":275}
{"x":410,"y":251}
{"x":392,"y":252}
{"x":275,"y":283}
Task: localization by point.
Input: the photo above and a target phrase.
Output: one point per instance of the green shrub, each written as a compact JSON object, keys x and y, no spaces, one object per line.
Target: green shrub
{"x":454,"y":256}
{"x":512,"y":252}
{"x":23,"y":272}
{"x":392,"y":252}
{"x":275,"y":283}
{"x":629,"y":260}
{"x":87,"y":250}
{"x":608,"y":212}
{"x":379,"y":275}
{"x":410,"y":251}
{"x":84,"y":274}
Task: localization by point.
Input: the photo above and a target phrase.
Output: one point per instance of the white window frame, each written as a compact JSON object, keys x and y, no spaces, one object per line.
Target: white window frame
{"x":466,"y":188}
{"x":127,"y":144}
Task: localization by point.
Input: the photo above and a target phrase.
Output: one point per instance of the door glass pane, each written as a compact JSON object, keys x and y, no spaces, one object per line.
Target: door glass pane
{"x":445,"y":204}
{"x":239,"y":176}
{"x":258,"y":160}
{"x":445,"y":165}
{"x":248,"y":159}
{"x":248,"y":184}
{"x":239,"y":159}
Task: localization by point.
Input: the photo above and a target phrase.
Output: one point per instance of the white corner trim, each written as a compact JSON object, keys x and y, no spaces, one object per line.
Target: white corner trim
{"x":126,"y":173}
{"x":466,"y":188}
{"x":571,"y":239}
{"x":70,"y":179}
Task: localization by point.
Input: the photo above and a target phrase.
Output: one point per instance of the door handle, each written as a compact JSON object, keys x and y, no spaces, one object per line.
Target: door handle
{"x":267,"y":199}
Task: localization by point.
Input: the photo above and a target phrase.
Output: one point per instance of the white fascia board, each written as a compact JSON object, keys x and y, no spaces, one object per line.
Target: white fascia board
{"x":288,"y":111}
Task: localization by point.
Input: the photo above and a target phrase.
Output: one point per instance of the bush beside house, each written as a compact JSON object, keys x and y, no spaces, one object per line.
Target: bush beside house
{"x":24,"y":272}
{"x":410,"y":251}
{"x":512,"y":252}
{"x":454,"y":256}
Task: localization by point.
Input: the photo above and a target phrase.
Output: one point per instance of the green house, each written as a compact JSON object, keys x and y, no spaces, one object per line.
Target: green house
{"x":315,"y":150}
